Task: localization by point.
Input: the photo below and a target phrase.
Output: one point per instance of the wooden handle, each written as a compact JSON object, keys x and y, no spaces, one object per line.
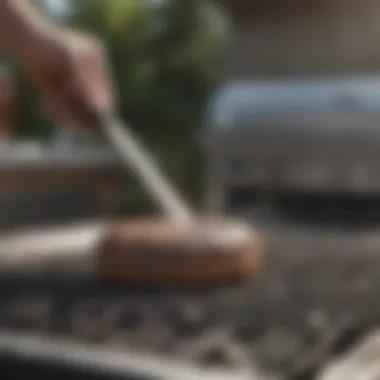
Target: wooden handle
{"x":134,"y":155}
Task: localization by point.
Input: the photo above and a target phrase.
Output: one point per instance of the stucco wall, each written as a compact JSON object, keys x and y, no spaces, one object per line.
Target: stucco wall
{"x":303,"y":37}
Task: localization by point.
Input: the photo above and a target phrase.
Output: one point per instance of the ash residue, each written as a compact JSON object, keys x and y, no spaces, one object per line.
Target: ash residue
{"x":316,"y":296}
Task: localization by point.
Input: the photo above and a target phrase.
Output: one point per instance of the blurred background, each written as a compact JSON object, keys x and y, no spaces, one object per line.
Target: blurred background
{"x":263,"y":108}
{"x":268,"y":109}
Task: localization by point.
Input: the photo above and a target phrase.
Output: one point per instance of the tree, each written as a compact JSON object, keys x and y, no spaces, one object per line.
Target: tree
{"x":163,"y":58}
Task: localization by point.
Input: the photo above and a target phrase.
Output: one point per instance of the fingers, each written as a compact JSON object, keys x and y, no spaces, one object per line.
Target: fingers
{"x":90,"y":76}
{"x":77,"y":84}
{"x":59,"y":108}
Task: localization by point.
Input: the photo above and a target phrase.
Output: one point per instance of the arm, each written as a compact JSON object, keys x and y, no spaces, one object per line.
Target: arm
{"x":67,"y":67}
{"x":19,"y":23}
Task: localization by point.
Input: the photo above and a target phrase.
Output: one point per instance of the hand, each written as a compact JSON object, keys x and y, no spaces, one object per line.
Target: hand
{"x":71,"y":75}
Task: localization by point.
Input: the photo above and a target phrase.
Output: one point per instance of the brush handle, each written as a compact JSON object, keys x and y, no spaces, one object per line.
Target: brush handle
{"x":135,"y":156}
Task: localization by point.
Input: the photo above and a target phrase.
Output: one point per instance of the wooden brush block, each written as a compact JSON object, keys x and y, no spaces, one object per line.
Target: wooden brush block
{"x":166,"y":252}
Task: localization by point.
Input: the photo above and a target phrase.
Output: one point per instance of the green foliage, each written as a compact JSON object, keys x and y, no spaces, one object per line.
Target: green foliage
{"x":163,"y":59}
{"x":29,"y":120}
